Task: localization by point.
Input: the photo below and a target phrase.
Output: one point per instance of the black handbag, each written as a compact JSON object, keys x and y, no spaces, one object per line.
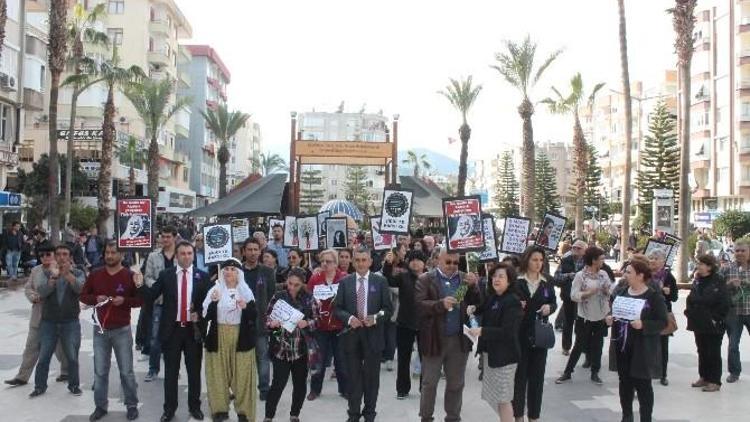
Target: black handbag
{"x":544,"y":333}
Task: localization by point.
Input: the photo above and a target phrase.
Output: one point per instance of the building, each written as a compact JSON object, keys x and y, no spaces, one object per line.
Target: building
{"x":157,"y":25}
{"x":321,"y":126}
{"x":720,"y":108}
{"x":244,"y":150}
{"x":208,"y":77}
{"x":560,"y":157}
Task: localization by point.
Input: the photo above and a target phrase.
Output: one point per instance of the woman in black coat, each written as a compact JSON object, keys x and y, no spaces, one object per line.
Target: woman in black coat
{"x":707,"y":306}
{"x":664,"y":282}
{"x":635,"y":345}
{"x":499,"y":348}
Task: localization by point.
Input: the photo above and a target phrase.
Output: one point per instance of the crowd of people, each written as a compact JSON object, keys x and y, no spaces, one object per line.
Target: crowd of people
{"x":354,"y":309}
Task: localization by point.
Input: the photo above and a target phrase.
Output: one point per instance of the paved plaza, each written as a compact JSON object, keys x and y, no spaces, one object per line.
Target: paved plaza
{"x":579,"y":401}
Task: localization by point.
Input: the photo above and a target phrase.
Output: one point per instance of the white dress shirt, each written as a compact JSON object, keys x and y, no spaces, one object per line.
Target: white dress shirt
{"x":189,"y":293}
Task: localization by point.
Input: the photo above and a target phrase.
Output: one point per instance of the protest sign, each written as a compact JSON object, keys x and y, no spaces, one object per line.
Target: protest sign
{"x":134,"y":223}
{"x":463,"y":224}
{"x":217,"y":240}
{"x":396,"y":211}
{"x":515,"y":235}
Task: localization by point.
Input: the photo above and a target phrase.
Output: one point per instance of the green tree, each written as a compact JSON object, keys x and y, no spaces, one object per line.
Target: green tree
{"x":516,"y":66}
{"x":356,"y":187}
{"x":82,"y":217}
{"x":82,"y":31}
{"x":571,"y":104}
{"x":462,"y":95}
{"x":594,"y":203}
{"x":152,"y":100}
{"x":133,"y":155}
{"x":660,"y":160}
{"x":311,"y":194}
{"x":224,"y":124}
{"x":267,"y":164}
{"x":506,"y":188}
{"x":545,"y":195}
{"x":734,"y":224}
{"x":3,"y":20}
{"x":416,"y":162}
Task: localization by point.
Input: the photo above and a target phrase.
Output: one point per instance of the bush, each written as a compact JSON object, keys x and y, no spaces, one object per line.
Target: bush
{"x":734,"y":224}
{"x":82,"y":217}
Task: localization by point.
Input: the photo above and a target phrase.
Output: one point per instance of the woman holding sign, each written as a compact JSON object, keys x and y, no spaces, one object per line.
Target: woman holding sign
{"x":638,"y":316}
{"x":229,"y":308}
{"x":289,"y":343}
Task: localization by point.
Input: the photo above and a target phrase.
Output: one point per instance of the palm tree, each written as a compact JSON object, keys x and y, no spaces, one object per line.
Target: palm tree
{"x":81,"y":31}
{"x":462,"y":95}
{"x":571,"y":104}
{"x":224,"y":124}
{"x":132,"y":155}
{"x":57,"y":51}
{"x":516,"y":66}
{"x":625,"y":233}
{"x":683,"y":20}
{"x":3,"y":20}
{"x":417,"y":162}
{"x":269,"y":163}
{"x":151,"y":99}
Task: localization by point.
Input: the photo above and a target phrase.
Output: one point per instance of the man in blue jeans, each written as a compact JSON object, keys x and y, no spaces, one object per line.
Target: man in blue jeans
{"x":60,"y":322}
{"x":737,"y":275}
{"x":113,"y":291}
{"x":13,"y":245}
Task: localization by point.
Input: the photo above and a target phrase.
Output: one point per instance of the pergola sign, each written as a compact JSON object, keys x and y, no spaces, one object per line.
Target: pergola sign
{"x":355,"y":153}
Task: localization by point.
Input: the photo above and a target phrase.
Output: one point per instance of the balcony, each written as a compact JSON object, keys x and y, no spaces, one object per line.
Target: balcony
{"x":744,"y":57}
{"x":33,"y":100}
{"x":158,"y":75}
{"x":182,"y":123}
{"x":184,"y":79}
{"x":701,"y":193}
{"x":159,"y":27}
{"x":159,"y":57}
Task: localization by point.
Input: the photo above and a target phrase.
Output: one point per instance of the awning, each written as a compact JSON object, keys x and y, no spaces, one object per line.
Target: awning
{"x":428,"y":197}
{"x":261,"y":197}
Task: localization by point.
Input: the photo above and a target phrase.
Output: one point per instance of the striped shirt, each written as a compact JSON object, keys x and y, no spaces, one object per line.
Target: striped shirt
{"x":741,"y":294}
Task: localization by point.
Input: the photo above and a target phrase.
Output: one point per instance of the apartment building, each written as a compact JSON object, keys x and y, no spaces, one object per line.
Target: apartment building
{"x":244,"y":149}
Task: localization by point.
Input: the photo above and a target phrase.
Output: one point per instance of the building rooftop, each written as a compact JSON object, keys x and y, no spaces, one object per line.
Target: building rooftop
{"x":208,"y":51}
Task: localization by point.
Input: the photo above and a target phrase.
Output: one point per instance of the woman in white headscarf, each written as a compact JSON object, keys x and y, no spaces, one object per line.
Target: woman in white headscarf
{"x":229,"y":309}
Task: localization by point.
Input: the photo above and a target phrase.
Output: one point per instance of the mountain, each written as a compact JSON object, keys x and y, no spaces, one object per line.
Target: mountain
{"x":441,"y":164}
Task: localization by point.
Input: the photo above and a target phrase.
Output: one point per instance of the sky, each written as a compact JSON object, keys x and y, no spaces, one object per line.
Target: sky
{"x":395,"y":55}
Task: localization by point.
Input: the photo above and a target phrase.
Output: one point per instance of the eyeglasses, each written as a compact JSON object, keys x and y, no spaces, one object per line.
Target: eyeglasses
{"x":451,"y":262}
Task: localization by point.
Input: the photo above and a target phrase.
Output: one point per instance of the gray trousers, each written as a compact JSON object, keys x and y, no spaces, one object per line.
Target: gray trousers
{"x":453,"y":361}
{"x":31,"y":355}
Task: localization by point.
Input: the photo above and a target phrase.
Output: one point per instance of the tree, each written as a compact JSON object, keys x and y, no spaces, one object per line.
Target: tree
{"x":571,"y":104}
{"x":733,"y":223}
{"x":267,"y":164}
{"x":81,"y":28}
{"x":133,"y":155}
{"x":311,"y":195}
{"x":683,"y":20}
{"x":516,"y":66}
{"x":56,"y":52}
{"x":356,"y":187}
{"x":592,"y":196}
{"x":462,"y":95}
{"x":545,"y":195}
{"x":506,"y":188}
{"x":660,"y":160}
{"x":152,"y":99}
{"x":3,"y":20}
{"x":625,"y":233}
{"x":416,"y":162}
{"x":224,"y":124}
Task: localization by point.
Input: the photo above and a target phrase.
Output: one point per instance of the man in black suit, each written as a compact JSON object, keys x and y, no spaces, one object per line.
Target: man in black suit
{"x":363,"y":303}
{"x":183,"y":288}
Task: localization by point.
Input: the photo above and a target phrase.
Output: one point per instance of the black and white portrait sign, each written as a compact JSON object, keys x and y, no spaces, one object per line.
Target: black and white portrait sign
{"x":551,"y":231}
{"x":291,"y":234}
{"x":515,"y":235}
{"x":664,"y":247}
{"x":217,"y":239}
{"x":489,"y":254}
{"x":274,"y":222}
{"x":322,"y":222}
{"x":396,"y":211}
{"x":463,"y":224}
{"x":336,"y":232}
{"x":381,"y":241}
{"x":675,"y":242}
{"x":240,"y":230}
{"x":134,"y":228}
{"x":307,"y":228}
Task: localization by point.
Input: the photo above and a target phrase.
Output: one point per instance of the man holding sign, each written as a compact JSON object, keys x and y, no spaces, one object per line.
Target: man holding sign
{"x":363,"y":302}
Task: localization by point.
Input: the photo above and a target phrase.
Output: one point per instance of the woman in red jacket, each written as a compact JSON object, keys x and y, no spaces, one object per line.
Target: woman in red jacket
{"x":323,"y":285}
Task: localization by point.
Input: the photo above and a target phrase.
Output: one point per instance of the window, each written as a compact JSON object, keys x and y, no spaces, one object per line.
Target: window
{"x":746,"y":173}
{"x":116,"y":7}
{"x":723,"y":175}
{"x":43,"y":78}
{"x":115,"y":35}
{"x":4,"y":122}
{"x":185,"y":174}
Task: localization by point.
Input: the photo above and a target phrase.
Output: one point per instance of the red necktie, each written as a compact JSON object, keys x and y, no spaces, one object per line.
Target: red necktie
{"x":184,"y":301}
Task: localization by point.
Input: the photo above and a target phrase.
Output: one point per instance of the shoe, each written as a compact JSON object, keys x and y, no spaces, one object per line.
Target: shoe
{"x":586,"y":364}
{"x":150,"y":377}
{"x":312,"y":396}
{"x":37,"y":392}
{"x":294,"y":419}
{"x":196,"y":414}
{"x":166,"y":417}
{"x":711,"y":388}
{"x":15,"y":382}
{"x":596,"y":380}
{"x":132,"y":413}
{"x":481,"y":375}
{"x":402,"y":396}
{"x":563,"y":378}
{"x":240,"y":418}
{"x":628,"y":418}
{"x":700,"y":383}
{"x":61,"y":378}
{"x":263,"y":395}
{"x":732,"y":378}
{"x":75,"y":391}
{"x":98,"y":414}
{"x":664,"y":381}
{"x":389,"y":365}
{"x":267,"y":419}
{"x":333,"y":375}
{"x":566,"y":352}
{"x":221,"y":417}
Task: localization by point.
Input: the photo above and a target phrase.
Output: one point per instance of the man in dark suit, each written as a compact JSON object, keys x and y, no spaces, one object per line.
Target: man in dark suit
{"x":363,"y":303}
{"x":183,"y":288}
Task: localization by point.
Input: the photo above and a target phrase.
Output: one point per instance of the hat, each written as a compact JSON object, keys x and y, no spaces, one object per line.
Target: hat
{"x":232,"y":262}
